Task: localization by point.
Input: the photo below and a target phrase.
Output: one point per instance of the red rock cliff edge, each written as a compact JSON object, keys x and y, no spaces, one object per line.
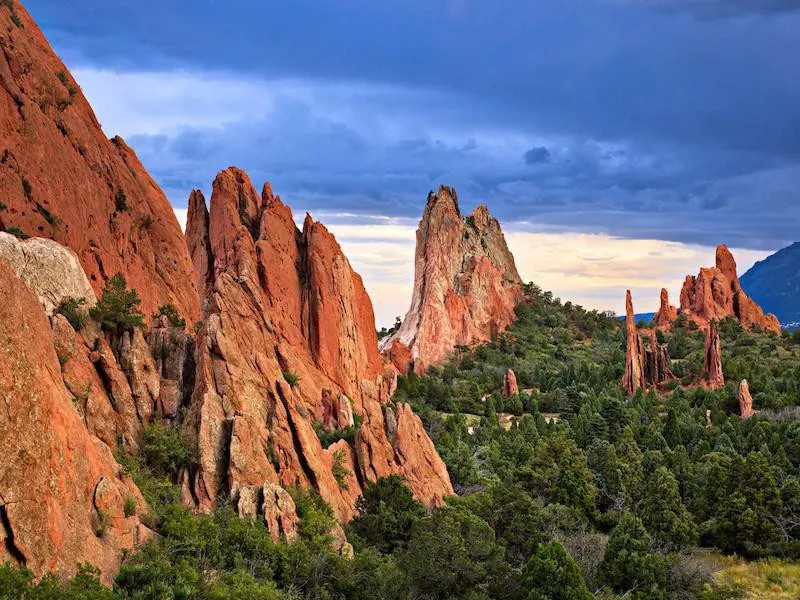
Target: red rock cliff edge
{"x":61,"y":178}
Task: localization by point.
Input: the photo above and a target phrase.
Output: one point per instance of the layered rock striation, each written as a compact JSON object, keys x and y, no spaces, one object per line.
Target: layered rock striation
{"x":716,"y":293}
{"x":288,"y":343}
{"x":61,"y":178}
{"x":466,"y":285}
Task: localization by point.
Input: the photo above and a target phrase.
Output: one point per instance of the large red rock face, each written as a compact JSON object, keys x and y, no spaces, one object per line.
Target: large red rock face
{"x":289,"y":333}
{"x":61,"y":496}
{"x":716,"y":294}
{"x":61,"y":178}
{"x":466,"y":284}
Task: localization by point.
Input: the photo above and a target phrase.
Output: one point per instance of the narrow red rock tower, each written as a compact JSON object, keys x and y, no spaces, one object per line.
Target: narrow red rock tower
{"x":466,"y":284}
{"x":510,"y":384}
{"x":633,"y":379}
{"x":715,"y":293}
{"x":714,"y":378}
{"x":666,"y":313}
{"x":289,"y":340}
{"x":61,"y":178}
{"x":745,"y":400}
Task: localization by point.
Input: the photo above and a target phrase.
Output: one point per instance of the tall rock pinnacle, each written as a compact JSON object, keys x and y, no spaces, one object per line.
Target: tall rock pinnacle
{"x":715,"y":293}
{"x":466,"y":284}
{"x":666,"y":313}
{"x":633,"y":379}
{"x":714,"y":377}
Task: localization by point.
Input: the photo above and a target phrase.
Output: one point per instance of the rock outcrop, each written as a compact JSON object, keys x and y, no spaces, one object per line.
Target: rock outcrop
{"x":644,"y":367}
{"x":712,"y":365}
{"x":745,"y":400}
{"x":61,"y":178}
{"x":510,"y":384}
{"x":61,"y":496}
{"x":666,"y":313}
{"x":633,"y":379}
{"x":51,"y":270}
{"x":715,"y":293}
{"x":466,"y":284}
{"x":657,"y":370}
{"x":288,"y":340}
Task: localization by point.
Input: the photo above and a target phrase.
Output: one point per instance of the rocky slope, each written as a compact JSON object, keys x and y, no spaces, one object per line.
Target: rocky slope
{"x":466,"y":285}
{"x":288,"y":339}
{"x":61,"y":178}
{"x":716,"y":293}
{"x":775,"y":284}
{"x":61,"y":495}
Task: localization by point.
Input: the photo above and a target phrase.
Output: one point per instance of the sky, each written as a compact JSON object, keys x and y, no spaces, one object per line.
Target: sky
{"x":618,"y":141}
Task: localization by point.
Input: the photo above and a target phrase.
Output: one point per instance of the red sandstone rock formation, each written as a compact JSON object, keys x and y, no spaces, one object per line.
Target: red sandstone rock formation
{"x":634,"y":352}
{"x":58,"y":483}
{"x":745,"y":400}
{"x":666,"y":313}
{"x":466,"y":284}
{"x":656,"y":362}
{"x":288,"y":331}
{"x":61,"y":178}
{"x":510,"y":384}
{"x":713,"y":378}
{"x":716,"y":294}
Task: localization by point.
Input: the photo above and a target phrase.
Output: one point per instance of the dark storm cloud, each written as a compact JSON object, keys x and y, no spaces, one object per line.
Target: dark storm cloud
{"x":636,"y":121}
{"x":537,"y":155}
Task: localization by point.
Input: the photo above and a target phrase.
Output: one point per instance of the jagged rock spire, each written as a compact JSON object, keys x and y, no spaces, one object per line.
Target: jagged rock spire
{"x":714,"y":377}
{"x":634,"y":352}
{"x":466,"y":284}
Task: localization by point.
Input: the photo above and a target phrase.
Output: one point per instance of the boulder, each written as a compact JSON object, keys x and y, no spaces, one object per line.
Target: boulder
{"x":51,"y":270}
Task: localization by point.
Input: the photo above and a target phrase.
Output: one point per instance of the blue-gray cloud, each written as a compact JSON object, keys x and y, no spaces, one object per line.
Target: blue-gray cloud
{"x":636,"y":121}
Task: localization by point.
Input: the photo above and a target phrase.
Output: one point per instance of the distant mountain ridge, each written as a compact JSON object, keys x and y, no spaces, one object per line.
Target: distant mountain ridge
{"x":775,"y":284}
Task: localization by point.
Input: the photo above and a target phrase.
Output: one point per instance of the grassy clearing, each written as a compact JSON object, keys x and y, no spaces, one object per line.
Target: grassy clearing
{"x":768,"y":579}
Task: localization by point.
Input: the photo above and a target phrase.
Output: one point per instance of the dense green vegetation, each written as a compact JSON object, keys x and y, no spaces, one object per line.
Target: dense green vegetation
{"x":584,"y":493}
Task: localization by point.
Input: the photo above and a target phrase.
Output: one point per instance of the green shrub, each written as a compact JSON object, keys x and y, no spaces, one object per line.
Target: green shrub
{"x":62,"y":77}
{"x":3,"y":206}
{"x":164,"y":450}
{"x":118,"y":307}
{"x":129,"y":507}
{"x":340,"y":472}
{"x":121,"y":201}
{"x":71,"y":309}
{"x":27,"y":189}
{"x":102,"y":523}
{"x":348,"y":434}
{"x":172,"y":314}
{"x":291,"y":378}
{"x":16,"y":231}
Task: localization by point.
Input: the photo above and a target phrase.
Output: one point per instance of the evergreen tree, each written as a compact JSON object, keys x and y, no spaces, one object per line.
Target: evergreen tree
{"x":663,"y":512}
{"x":552,"y":574}
{"x":628,"y":565}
